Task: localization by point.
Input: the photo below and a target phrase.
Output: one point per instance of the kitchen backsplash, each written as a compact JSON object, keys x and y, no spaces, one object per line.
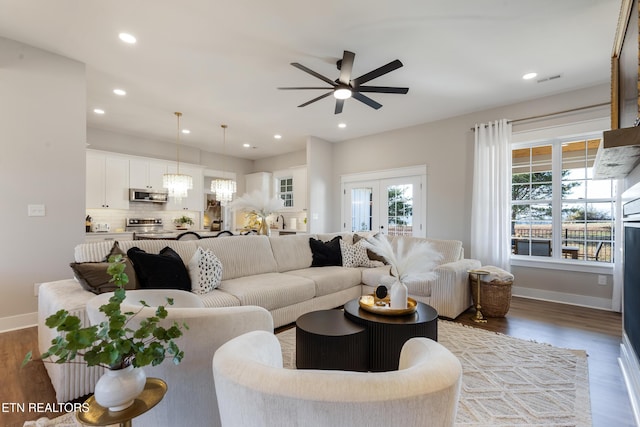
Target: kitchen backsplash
{"x":116,"y":218}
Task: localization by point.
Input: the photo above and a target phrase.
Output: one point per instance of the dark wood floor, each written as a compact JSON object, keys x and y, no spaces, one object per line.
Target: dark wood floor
{"x":596,"y":331}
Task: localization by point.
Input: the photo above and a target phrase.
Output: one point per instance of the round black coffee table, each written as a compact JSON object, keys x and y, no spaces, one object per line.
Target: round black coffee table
{"x":387,"y":334}
{"x":325,"y":339}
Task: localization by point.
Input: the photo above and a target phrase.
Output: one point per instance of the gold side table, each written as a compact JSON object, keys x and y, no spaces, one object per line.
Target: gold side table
{"x":154,"y":391}
{"x":478,"y":317}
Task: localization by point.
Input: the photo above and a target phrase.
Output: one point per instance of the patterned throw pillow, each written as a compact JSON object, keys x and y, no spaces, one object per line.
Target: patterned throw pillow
{"x":205,"y":270}
{"x":354,"y":255}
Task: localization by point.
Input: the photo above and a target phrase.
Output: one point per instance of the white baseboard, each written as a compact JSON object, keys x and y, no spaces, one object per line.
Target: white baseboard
{"x":20,"y":321}
{"x":630,"y":367}
{"x":573,"y":299}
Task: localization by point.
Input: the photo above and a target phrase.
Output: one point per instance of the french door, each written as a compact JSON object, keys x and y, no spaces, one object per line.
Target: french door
{"x":390,"y":206}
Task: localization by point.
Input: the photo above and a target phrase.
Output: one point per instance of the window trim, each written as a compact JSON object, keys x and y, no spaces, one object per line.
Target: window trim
{"x":280,"y":193}
{"x":557,"y":262}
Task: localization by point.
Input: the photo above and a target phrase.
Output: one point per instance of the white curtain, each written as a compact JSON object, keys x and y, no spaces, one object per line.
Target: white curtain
{"x":491,"y":200}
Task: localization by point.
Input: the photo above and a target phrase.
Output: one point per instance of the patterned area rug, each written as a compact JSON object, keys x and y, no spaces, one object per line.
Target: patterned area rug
{"x":507,"y":381}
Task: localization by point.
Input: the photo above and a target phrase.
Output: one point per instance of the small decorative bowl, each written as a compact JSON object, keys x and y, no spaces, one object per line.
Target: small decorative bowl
{"x":383,"y":306}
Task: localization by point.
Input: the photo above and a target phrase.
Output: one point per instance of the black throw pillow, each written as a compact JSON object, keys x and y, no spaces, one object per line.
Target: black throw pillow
{"x":162,"y":271}
{"x":325,"y":253}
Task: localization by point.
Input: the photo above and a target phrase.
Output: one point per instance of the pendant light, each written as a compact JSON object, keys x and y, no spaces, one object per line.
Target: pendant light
{"x":177,"y":184}
{"x":221,"y":187}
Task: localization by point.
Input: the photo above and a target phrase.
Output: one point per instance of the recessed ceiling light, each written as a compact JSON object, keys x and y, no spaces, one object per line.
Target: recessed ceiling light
{"x":127,"y":38}
{"x":342,"y":125}
{"x":98,"y":110}
{"x":277,"y":136}
{"x":530,"y":76}
{"x":120,"y":92}
{"x":187,"y":131}
{"x":245,"y":145}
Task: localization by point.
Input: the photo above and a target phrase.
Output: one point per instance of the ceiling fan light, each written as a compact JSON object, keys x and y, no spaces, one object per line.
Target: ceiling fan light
{"x":342,"y":93}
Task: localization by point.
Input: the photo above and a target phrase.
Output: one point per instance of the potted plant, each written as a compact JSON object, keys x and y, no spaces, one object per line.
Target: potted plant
{"x":112,"y":344}
{"x":183,"y":223}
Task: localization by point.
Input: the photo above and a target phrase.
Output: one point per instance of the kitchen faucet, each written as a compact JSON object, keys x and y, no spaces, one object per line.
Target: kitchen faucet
{"x":278,"y":220}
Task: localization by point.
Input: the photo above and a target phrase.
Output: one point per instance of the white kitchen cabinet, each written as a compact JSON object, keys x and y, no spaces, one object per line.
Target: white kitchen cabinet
{"x":300,"y":188}
{"x":291,"y":186}
{"x":107,"y":181}
{"x":259,"y":181}
{"x":195,"y":198}
{"x":146,"y":174}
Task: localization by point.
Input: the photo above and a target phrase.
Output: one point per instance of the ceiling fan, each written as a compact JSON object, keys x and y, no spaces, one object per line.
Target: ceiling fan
{"x":344,"y":87}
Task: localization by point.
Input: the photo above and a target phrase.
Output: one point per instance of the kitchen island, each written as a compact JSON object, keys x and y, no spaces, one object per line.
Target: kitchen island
{"x":173,"y":234}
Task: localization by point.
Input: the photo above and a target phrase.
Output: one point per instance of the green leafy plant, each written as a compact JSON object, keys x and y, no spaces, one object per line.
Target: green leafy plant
{"x":183,"y":220}
{"x":112,"y":343}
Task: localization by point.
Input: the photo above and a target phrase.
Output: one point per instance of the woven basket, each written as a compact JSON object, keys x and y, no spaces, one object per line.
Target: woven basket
{"x":495,"y":296}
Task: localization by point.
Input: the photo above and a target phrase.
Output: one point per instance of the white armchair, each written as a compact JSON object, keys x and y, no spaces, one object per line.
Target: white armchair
{"x":190,"y":399}
{"x":254,"y":390}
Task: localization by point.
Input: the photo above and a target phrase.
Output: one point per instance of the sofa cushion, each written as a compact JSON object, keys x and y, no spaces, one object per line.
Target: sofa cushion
{"x":185,"y":248}
{"x":329,"y":279}
{"x":205,"y":271}
{"x":354,"y":255}
{"x":371,"y":276}
{"x":160,"y":271}
{"x":218,"y":298}
{"x":93,"y":251}
{"x":326,"y":237}
{"x":242,"y":255}
{"x":451,"y":250}
{"x":270,"y":290}
{"x":93,"y":276}
{"x":291,"y":252}
{"x":325,"y":253}
{"x":372,"y":255}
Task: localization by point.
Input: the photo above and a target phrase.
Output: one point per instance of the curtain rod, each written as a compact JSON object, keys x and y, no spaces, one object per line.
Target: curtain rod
{"x":557,"y":113}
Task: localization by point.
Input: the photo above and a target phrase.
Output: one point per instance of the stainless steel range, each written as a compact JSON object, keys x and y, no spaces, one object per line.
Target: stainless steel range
{"x":144,"y":225}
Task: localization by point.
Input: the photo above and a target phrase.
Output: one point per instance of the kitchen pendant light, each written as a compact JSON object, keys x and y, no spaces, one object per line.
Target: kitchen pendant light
{"x":221,"y":187}
{"x":177,"y":184}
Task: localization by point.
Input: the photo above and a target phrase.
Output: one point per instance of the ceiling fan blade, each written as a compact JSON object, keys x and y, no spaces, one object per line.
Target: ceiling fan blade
{"x":313,"y":73}
{"x":382,"y":89}
{"x":339,"y":105}
{"x":393,"y":65}
{"x":304,"y":88}
{"x":315,"y":99}
{"x":366,"y":100}
{"x":346,"y":66}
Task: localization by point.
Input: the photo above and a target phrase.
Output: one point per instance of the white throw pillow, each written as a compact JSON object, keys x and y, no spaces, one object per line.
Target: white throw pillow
{"x":354,"y":255}
{"x":205,"y":271}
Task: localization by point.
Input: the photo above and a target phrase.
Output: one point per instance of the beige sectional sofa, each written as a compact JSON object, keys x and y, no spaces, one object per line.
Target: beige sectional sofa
{"x":270,"y":272}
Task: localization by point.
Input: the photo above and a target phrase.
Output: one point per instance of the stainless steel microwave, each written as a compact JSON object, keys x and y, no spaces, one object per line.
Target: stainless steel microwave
{"x":146,"y":195}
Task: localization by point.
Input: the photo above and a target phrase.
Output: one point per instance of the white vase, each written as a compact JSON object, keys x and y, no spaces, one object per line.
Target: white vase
{"x":398,"y":295}
{"x":118,"y":388}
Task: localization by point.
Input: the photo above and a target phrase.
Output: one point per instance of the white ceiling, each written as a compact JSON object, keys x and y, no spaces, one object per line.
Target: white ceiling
{"x":222,"y":61}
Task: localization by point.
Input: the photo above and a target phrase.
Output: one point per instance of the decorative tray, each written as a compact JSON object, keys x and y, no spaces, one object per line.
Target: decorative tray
{"x":382,"y":306}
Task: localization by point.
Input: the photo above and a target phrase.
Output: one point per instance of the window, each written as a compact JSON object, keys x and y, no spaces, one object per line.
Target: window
{"x":556,"y":203}
{"x":285,"y":190}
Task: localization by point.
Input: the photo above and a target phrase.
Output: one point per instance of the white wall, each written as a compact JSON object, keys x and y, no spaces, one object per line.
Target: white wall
{"x":43,"y":135}
{"x":446,"y":147}
{"x":285,"y":161}
{"x":320,"y":173}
